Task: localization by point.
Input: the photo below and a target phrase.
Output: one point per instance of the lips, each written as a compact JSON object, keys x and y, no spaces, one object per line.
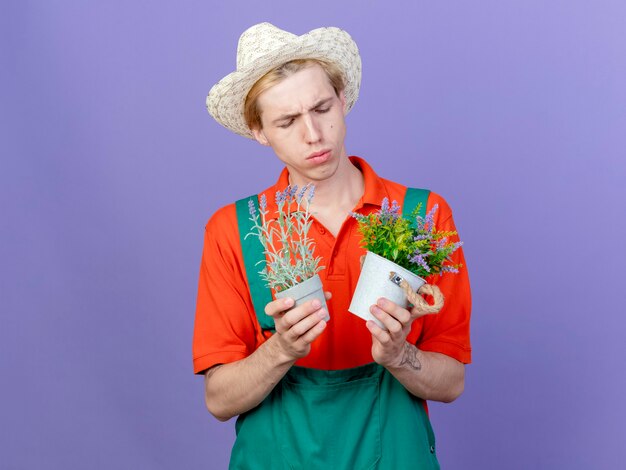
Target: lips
{"x":318,"y":154}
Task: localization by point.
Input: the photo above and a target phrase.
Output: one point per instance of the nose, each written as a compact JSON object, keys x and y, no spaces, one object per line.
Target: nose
{"x":312,"y":131}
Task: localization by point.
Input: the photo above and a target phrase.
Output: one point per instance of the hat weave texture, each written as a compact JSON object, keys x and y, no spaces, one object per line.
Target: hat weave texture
{"x":264,"y":47}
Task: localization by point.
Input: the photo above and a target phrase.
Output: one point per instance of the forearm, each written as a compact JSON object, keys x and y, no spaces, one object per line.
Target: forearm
{"x":234,"y":388}
{"x":429,"y":375}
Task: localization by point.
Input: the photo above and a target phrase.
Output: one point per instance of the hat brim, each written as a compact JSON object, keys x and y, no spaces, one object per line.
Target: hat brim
{"x":225,"y":102}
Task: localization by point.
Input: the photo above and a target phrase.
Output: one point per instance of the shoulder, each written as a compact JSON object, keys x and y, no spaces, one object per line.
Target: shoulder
{"x":221,"y":237}
{"x":444,"y":211}
{"x":223,"y":219}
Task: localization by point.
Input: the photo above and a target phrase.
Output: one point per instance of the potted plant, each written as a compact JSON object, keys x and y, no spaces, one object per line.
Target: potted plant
{"x":401,"y":254}
{"x":291,"y":269}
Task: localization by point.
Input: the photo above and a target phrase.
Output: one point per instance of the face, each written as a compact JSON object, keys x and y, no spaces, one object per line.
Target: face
{"x":303,"y":122}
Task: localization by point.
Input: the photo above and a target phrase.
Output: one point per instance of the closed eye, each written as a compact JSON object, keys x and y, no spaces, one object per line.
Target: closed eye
{"x":287,"y":124}
{"x":290,"y":122}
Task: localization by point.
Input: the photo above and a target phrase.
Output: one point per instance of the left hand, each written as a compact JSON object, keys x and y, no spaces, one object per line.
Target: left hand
{"x":388,"y":346}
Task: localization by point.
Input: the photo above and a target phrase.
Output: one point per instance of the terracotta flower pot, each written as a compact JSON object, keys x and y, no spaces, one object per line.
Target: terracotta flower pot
{"x":374,"y":283}
{"x":305,"y":291}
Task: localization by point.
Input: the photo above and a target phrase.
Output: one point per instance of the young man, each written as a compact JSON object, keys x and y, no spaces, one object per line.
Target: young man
{"x":342,"y":394}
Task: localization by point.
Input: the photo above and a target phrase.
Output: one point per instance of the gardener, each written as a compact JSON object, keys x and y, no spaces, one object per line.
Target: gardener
{"x":342,"y":394}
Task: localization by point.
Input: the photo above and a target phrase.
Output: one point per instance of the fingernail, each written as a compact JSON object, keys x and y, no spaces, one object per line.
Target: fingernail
{"x":322,"y":313}
{"x":382,"y":302}
{"x":316,"y":303}
{"x":288,"y":302}
{"x":375,"y":310}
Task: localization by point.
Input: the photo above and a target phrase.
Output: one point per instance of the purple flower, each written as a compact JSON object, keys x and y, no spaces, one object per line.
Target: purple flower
{"x":385,"y":206}
{"x":419,"y":225}
{"x":454,"y":246}
{"x":387,"y":213}
{"x":419,"y":259}
{"x":429,"y":222}
{"x":280,"y":197}
{"x":251,"y":208}
{"x":263,"y":203}
{"x":449,"y":269}
{"x":301,"y":193}
{"x":311,"y":192}
{"x":442,"y":243}
{"x":421,"y":237}
{"x":395,"y":209}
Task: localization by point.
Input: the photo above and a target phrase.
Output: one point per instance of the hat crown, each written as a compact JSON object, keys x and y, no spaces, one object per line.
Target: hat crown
{"x":263,"y":47}
{"x":259,"y":40}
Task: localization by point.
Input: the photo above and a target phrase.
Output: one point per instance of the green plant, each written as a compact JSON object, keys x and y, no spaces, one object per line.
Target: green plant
{"x":414,"y":244}
{"x":288,"y":249}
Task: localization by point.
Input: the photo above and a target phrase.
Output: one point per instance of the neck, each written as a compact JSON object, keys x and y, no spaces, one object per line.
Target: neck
{"x":336,"y":196}
{"x":341,"y":192}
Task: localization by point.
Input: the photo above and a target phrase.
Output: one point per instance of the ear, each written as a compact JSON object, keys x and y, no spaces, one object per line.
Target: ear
{"x":259,"y":135}
{"x":342,"y":98}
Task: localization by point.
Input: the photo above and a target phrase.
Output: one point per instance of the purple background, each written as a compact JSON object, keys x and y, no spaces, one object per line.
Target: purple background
{"x":110,"y":167}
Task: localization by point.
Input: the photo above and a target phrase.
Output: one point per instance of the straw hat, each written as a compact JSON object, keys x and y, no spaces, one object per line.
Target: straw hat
{"x":263,"y":47}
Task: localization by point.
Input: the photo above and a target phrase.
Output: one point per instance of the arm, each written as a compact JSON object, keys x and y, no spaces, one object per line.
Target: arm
{"x":428,"y":375}
{"x":240,"y":373}
{"x":234,"y":388}
{"x":433,"y":370}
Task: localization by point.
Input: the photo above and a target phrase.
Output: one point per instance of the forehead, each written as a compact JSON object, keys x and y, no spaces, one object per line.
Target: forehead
{"x":297,"y":91}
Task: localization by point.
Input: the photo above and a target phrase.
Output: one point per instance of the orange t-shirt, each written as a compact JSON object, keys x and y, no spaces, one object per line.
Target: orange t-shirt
{"x":226,"y":328}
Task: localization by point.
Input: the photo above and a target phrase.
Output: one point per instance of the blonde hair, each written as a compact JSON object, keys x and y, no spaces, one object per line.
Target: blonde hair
{"x":252,"y":113}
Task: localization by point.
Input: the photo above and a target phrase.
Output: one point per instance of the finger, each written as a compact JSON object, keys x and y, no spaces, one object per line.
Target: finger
{"x":394,"y":327}
{"x":312,"y":334}
{"x":377,"y":332}
{"x":300,"y":312}
{"x":278,"y":306}
{"x":328,"y":295}
{"x":304,"y":325}
{"x":396,"y":311}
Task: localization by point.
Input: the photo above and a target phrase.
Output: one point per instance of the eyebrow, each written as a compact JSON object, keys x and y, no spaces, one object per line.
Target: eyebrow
{"x":284,"y":117}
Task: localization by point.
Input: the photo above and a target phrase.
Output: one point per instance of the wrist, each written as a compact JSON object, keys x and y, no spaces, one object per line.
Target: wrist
{"x":279,"y":355}
{"x":408,"y":359}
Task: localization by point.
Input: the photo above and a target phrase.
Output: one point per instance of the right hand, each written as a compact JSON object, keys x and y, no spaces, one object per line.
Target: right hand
{"x":297,"y":328}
